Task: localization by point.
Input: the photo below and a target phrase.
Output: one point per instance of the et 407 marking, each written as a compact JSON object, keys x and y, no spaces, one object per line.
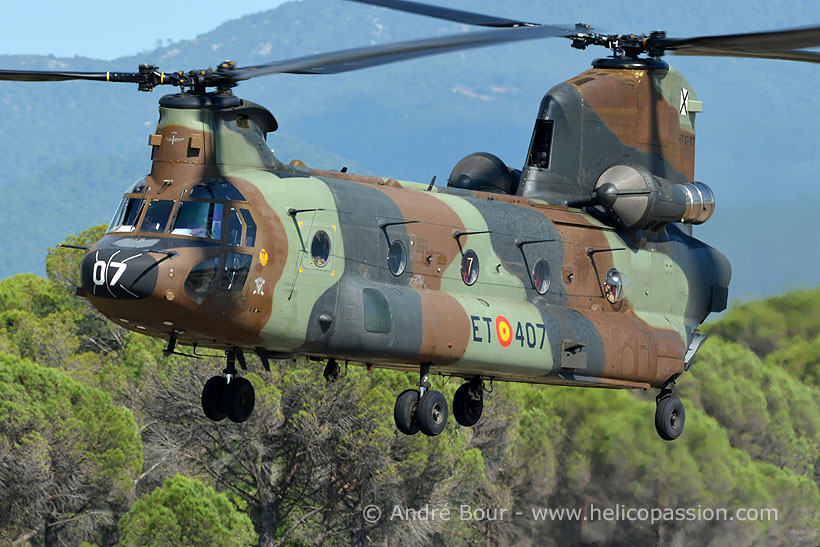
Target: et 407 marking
{"x":531,"y":334}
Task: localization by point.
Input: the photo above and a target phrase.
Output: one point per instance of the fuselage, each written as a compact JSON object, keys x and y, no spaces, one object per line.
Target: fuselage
{"x":224,"y":246}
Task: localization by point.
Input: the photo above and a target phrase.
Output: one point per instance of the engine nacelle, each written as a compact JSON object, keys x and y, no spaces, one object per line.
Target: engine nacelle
{"x":484,"y":172}
{"x":640,"y":200}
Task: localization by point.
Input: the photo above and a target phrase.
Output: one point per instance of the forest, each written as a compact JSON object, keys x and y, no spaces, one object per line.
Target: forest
{"x":103,"y":442}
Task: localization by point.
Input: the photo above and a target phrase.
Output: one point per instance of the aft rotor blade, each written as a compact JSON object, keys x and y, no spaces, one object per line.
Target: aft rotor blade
{"x":797,"y":55}
{"x":358,"y":58}
{"x":459,"y":16}
{"x":769,"y":45}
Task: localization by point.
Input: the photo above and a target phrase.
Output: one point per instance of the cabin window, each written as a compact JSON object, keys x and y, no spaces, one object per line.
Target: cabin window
{"x":614,"y":286}
{"x":320,"y":248}
{"x":234,"y":228}
{"x":221,"y":190}
{"x":541,"y":144}
{"x":199,"y":219}
{"x":157,"y":215}
{"x":541,"y":276}
{"x":250,"y":230}
{"x":127,"y":215}
{"x":469,"y":267}
{"x":396,"y":258}
{"x":235,"y":272}
{"x":200,"y":279}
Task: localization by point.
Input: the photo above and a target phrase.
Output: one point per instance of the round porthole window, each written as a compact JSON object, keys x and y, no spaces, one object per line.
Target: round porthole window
{"x":396,"y":258}
{"x":320,"y":248}
{"x":614,"y":286}
{"x":469,"y":267}
{"x":541,"y":276}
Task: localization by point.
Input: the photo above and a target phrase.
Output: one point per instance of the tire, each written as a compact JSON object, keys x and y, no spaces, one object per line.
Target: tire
{"x":467,"y":410}
{"x":432,"y":413}
{"x":670,"y":417}
{"x":404,"y":412}
{"x":239,"y":400}
{"x":213,"y":394}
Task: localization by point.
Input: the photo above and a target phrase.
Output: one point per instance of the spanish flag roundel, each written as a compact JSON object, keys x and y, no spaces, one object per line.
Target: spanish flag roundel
{"x":503,"y":330}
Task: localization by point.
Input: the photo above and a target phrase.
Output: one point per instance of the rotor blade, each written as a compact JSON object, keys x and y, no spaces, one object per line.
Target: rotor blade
{"x":357,"y":58}
{"x":778,"y":42}
{"x":53,"y":76}
{"x":795,"y":55}
{"x":456,"y":15}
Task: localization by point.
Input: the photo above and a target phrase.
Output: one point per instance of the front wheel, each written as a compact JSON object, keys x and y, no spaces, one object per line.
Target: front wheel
{"x":240,"y":399}
{"x":213,"y":395}
{"x":670,"y":417}
{"x":432,"y":413}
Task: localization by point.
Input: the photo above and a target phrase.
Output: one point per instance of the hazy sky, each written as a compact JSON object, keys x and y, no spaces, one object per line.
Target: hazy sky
{"x":104,"y":29}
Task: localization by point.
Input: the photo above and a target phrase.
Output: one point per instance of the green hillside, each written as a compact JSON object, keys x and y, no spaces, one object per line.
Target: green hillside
{"x":103,"y":440}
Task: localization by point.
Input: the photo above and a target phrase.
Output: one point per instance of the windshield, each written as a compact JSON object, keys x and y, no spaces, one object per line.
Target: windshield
{"x":157,"y":215}
{"x":199,"y":219}
{"x":125,"y":219}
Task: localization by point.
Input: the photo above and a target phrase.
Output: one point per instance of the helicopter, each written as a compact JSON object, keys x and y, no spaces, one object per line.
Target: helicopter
{"x":579,"y":269}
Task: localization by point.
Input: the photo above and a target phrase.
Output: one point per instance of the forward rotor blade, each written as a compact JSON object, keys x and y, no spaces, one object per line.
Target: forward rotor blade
{"x":53,"y":76}
{"x":448,"y":14}
{"x":358,"y":58}
{"x":770,"y":45}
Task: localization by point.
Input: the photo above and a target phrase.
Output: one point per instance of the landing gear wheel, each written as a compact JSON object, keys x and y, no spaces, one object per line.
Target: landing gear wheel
{"x":468,"y":404}
{"x":332,"y":370}
{"x":405,"y":412}
{"x":239,"y":400}
{"x":212,"y":396}
{"x":432,"y":413}
{"x":670,"y":417}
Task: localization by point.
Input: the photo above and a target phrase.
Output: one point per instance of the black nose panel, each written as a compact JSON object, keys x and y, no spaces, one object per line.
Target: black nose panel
{"x":119,"y":273}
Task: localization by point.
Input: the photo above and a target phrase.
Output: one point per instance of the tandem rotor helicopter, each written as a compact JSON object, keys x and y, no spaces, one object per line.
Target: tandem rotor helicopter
{"x":579,"y":269}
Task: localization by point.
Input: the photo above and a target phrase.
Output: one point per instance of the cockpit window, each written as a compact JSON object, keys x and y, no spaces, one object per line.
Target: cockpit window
{"x":125,"y":219}
{"x":199,"y":219}
{"x":235,"y":271}
{"x":200,"y":279}
{"x":219,"y":190}
{"x":136,"y":188}
{"x":157,"y":215}
{"x":250,"y":231}
{"x":234,"y":228}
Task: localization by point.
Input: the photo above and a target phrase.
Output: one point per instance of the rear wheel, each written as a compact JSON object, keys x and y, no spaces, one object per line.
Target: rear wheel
{"x":405,"y":412}
{"x":468,"y":404}
{"x":212,"y":396}
{"x":670,"y":416}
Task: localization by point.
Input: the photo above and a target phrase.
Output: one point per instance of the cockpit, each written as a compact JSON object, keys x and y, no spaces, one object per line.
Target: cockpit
{"x":214,"y":213}
{"x":201,"y":213}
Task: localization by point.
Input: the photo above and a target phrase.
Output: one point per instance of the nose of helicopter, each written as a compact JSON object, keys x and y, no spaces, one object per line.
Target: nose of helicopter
{"x":153,"y":286}
{"x":123,"y":274}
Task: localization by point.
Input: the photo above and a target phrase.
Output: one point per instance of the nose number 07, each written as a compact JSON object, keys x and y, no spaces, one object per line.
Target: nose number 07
{"x":100,"y":272}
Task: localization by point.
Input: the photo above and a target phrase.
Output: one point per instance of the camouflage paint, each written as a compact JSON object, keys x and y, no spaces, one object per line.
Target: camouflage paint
{"x":352,"y":307}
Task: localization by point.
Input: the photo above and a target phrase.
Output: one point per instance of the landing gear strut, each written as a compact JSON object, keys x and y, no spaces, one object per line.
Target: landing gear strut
{"x":422,"y":410}
{"x":229,"y":395}
{"x":670,"y":416}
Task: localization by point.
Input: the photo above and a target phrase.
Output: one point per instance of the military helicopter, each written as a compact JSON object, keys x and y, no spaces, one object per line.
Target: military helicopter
{"x":579,"y":269}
